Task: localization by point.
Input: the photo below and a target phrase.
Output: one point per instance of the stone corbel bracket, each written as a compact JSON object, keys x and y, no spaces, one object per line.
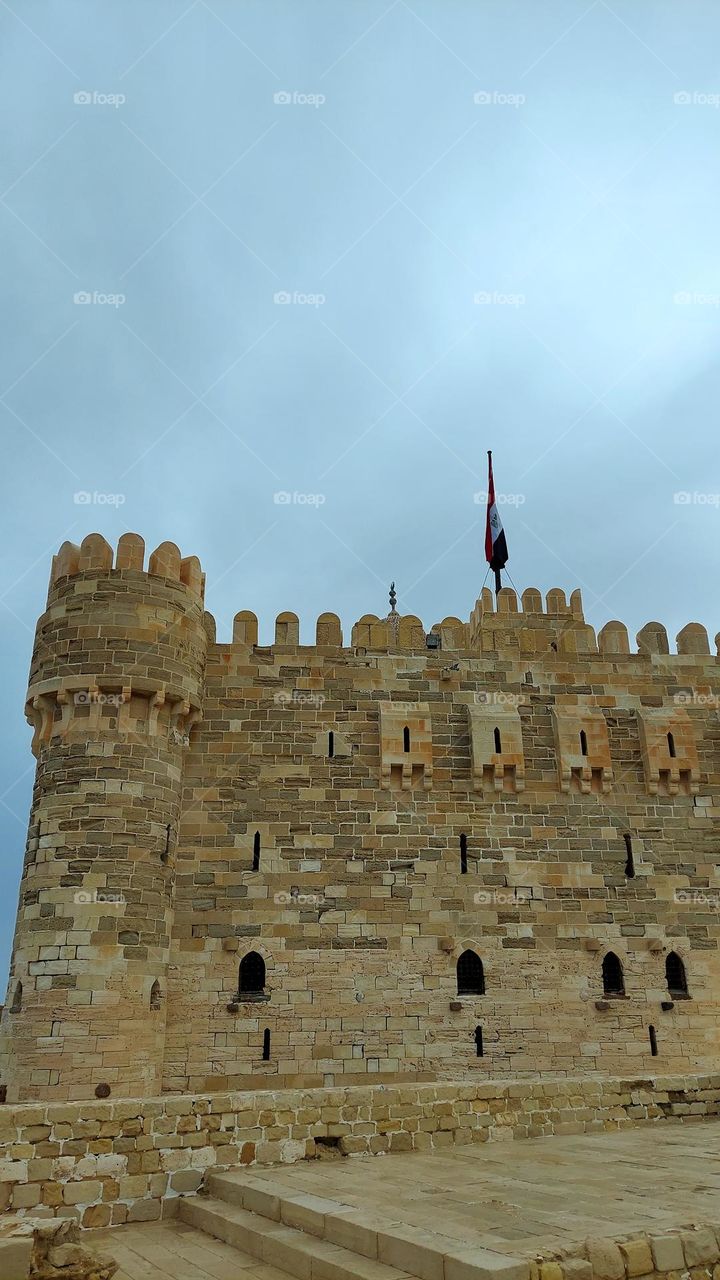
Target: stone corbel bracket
{"x":79,"y":707}
{"x":583,"y":748}
{"x":669,"y":752}
{"x":494,"y":725}
{"x":405,"y":744}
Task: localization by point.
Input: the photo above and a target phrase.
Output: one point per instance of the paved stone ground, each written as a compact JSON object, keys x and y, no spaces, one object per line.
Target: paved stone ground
{"x":514,"y":1197}
{"x":517,"y":1197}
{"x":173,"y":1251}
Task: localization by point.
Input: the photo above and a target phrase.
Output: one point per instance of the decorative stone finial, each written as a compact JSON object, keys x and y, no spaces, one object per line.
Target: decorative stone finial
{"x":393,"y":598}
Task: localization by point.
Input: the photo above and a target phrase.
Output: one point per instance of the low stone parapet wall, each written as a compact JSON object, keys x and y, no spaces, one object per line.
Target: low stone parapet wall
{"x":692,"y":1251}
{"x":107,"y":1163}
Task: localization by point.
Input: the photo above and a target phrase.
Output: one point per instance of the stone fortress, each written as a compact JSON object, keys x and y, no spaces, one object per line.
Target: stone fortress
{"x":484,"y":851}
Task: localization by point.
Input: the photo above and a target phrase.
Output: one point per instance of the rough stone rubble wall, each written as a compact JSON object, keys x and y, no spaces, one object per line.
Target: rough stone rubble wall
{"x":113,"y":1162}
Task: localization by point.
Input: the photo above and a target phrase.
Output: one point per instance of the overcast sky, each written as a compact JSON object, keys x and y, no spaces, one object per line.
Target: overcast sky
{"x":497,"y":225}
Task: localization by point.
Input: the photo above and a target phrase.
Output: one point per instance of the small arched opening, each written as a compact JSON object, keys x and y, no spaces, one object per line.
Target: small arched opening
{"x":470,"y":975}
{"x":155,"y":995}
{"x":583,"y":742}
{"x":406,"y":738}
{"x":252,"y":975}
{"x":612,"y":975}
{"x":498,"y":741}
{"x":675,"y":976}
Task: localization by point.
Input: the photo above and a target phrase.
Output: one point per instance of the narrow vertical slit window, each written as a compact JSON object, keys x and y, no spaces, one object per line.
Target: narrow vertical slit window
{"x":256,"y":852}
{"x":406,"y":739}
{"x":266,"y":1045}
{"x":671,"y":746}
{"x":653,"y":1042}
{"x":463,"y":854}
{"x":583,"y":742}
{"x":331,"y":744}
{"x":498,"y":741}
{"x":479,"y":1042}
{"x":629,"y":860}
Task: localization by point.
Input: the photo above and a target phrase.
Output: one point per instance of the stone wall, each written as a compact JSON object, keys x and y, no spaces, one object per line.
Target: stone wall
{"x":106,"y":1163}
{"x":361,"y":902}
{"x":693,"y":1251}
{"x":357,"y":817}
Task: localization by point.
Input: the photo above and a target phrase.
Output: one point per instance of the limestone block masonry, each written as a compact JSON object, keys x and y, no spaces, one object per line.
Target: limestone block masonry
{"x":486,"y":851}
{"x":111,"y":1162}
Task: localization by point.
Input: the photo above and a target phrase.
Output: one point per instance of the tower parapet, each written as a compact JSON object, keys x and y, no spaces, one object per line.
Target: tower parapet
{"x":115,"y":688}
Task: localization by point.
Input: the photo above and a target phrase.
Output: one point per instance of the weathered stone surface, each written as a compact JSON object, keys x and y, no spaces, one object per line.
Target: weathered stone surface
{"x":638,"y":1257}
{"x":667,"y":1253}
{"x":699,"y":1247}
{"x":605,"y":1259}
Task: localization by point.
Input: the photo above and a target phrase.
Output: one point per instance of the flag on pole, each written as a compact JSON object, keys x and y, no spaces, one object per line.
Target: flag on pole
{"x":496,"y":552}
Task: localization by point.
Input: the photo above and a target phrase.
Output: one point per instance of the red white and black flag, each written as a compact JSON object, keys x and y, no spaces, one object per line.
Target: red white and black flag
{"x":496,"y":552}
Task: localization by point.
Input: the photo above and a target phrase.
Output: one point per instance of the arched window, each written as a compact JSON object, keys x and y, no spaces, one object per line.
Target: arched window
{"x":252,"y":974}
{"x":671,"y":746}
{"x":266,"y":1045}
{"x":612,"y":973}
{"x":463,"y":854}
{"x":406,"y":739}
{"x":498,"y":741}
{"x":155,"y":995}
{"x":16,"y":1005}
{"x":583,"y":742}
{"x":470,"y":975}
{"x":675,"y":975}
{"x":256,"y":852}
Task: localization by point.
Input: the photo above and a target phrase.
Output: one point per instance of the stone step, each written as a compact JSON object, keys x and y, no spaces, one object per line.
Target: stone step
{"x":299,"y":1254}
{"x":425,"y":1254}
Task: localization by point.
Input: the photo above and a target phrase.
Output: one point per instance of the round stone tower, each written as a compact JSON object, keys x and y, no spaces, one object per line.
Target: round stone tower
{"x":115,"y":687}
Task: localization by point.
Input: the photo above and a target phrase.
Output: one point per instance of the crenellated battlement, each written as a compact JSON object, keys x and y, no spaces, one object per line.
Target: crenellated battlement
{"x":96,"y":555}
{"x":530,"y":625}
{"x":502,"y":627}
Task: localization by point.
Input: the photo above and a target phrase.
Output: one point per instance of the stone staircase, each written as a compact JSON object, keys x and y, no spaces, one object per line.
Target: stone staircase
{"x":311,"y":1238}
